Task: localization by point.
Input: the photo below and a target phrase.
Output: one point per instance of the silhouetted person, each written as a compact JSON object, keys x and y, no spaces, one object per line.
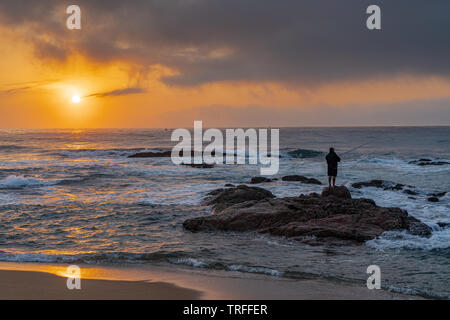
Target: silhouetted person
{"x":332,"y":161}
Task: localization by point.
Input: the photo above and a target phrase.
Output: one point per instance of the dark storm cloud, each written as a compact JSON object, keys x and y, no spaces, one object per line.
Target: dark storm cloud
{"x":118,"y":92}
{"x":420,"y":112}
{"x":294,"y":41}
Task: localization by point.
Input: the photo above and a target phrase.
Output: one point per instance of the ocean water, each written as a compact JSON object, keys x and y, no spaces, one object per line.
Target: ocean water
{"x":73,"y":196}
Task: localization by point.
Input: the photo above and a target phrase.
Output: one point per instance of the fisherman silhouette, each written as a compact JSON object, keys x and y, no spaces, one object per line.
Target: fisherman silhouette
{"x":332,"y":161}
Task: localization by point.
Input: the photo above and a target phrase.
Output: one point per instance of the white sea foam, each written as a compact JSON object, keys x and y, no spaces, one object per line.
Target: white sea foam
{"x":32,"y":257}
{"x":410,"y":291}
{"x":262,"y":270}
{"x":404,"y":240}
{"x":190,"y":262}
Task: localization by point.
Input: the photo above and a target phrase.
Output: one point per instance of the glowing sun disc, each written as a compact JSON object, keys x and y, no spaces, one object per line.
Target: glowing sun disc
{"x":76,"y":99}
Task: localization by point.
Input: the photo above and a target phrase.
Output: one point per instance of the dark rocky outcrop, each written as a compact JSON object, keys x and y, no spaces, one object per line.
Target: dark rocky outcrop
{"x":428,"y":162}
{"x":229,"y":185}
{"x":221,"y":199}
{"x":162,"y":154}
{"x":443,"y":224}
{"x":327,"y":218}
{"x":410,"y":192}
{"x":385,"y":185}
{"x":439,"y":194}
{"x":256,"y":180}
{"x":199,"y":165}
{"x":407,"y":189}
{"x":301,"y":179}
{"x":433,"y":199}
{"x":338,"y":191}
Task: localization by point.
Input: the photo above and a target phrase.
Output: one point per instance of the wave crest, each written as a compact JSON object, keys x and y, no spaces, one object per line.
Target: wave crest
{"x":20,"y":182}
{"x":304,"y":153}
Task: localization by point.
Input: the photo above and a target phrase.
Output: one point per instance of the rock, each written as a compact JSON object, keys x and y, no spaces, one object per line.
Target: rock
{"x":199,"y":165}
{"x":224,"y":198}
{"x":410,"y":192}
{"x":418,"y":228}
{"x":371,"y":183}
{"x":327,"y":218}
{"x":433,"y":163}
{"x":229,"y":185}
{"x":428,"y":162}
{"x":433,"y":199}
{"x":338,"y":191}
{"x":163,"y":154}
{"x":439,"y":194}
{"x":443,"y":224}
{"x":386,"y":185}
{"x":256,"y":180}
{"x":301,"y":179}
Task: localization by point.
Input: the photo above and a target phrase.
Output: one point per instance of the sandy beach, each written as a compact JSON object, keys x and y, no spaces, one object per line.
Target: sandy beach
{"x":38,"y":281}
{"x":28,"y":285}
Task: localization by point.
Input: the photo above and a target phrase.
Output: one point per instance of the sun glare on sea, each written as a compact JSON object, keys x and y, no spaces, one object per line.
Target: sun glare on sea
{"x":76,"y":99}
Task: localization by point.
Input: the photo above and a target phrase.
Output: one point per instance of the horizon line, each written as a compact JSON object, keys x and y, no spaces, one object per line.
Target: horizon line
{"x":269,"y":127}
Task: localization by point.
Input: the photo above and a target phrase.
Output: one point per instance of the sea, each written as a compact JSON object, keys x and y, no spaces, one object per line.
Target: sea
{"x":73,"y":196}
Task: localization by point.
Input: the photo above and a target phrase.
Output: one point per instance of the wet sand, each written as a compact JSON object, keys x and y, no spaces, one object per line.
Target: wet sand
{"x":30,"y":285}
{"x":37,"y":281}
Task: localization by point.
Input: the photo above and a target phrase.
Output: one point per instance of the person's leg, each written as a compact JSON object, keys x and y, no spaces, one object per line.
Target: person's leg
{"x":329,"y":181}
{"x":334,"y":181}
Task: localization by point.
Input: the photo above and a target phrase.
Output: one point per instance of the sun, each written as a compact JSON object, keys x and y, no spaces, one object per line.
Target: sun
{"x":76,"y":99}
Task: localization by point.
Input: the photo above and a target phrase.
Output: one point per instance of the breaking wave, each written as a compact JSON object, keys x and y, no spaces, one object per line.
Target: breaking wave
{"x":179,"y":258}
{"x":20,"y":182}
{"x":304,"y":153}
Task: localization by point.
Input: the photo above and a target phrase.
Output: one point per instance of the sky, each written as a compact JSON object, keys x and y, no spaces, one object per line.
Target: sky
{"x":230,"y":63}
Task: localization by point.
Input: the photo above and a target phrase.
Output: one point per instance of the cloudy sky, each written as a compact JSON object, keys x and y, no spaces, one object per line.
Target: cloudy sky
{"x":165,"y":63}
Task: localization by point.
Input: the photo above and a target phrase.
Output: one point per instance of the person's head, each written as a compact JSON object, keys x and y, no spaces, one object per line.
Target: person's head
{"x":331,"y":150}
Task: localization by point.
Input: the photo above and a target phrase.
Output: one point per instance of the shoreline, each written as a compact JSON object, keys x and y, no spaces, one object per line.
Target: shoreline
{"x":48,"y":281}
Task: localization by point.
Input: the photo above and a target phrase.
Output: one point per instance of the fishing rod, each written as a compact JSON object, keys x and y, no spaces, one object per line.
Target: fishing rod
{"x":353,"y":149}
{"x":356,"y":148}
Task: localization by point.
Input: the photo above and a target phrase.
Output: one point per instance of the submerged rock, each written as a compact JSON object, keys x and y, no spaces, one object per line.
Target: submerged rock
{"x":443,"y":224}
{"x":410,"y":192}
{"x":325,"y":217}
{"x":433,"y":199}
{"x":162,"y":154}
{"x":256,"y":180}
{"x":428,"y":162}
{"x":199,"y":165}
{"x":301,"y":179}
{"x":439,"y":194}
{"x":338,"y":191}
{"x":386,"y":185}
